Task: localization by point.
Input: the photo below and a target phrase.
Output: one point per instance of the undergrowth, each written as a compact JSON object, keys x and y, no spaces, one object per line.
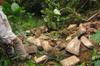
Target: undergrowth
{"x":55,"y":15}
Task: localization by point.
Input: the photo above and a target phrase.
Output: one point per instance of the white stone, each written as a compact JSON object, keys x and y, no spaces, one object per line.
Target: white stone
{"x":40,"y":59}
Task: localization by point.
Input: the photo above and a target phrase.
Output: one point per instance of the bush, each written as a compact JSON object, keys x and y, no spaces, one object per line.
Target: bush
{"x":58,"y":13}
{"x":18,"y":17}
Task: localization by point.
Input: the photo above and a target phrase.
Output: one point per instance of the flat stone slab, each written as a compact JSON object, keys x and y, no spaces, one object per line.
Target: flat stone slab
{"x":86,"y":42}
{"x":71,"y":61}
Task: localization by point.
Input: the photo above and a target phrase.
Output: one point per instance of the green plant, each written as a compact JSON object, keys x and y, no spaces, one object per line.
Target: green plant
{"x":58,"y":13}
{"x":97,"y":63}
{"x":95,"y":57}
{"x":12,"y":8}
{"x":96,"y":37}
{"x":19,"y":19}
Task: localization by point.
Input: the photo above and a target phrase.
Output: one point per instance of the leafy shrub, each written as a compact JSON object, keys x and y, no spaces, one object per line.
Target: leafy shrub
{"x":58,"y":13}
{"x":12,"y":8}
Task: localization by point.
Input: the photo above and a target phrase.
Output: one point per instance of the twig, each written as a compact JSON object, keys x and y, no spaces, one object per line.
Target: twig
{"x":90,"y":18}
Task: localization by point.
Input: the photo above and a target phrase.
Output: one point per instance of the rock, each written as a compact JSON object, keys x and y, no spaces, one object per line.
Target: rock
{"x":38,"y":31}
{"x":56,"y":53}
{"x":42,"y":36}
{"x":31,"y":49}
{"x":41,"y":59}
{"x":30,"y":39}
{"x":86,"y":42}
{"x":68,"y":38}
{"x":46,"y":45}
{"x":71,"y":61}
{"x":69,"y":31}
{"x":51,"y":63}
{"x":52,"y":42}
{"x":61,"y":44}
{"x":82,"y":29}
{"x":43,"y":29}
{"x":72,"y":26}
{"x":35,"y":41}
{"x":73,"y":46}
{"x":28,"y":32}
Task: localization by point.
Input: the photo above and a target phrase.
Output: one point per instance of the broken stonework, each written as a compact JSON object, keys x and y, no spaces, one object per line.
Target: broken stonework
{"x":73,"y":46}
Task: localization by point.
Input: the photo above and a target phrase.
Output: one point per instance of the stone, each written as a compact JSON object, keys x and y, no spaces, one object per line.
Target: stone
{"x":46,"y":45}
{"x":72,"y":26}
{"x":82,"y":29}
{"x":35,"y":41}
{"x":40,"y":59}
{"x":86,"y":42}
{"x":70,"y":61}
{"x":31,"y":49}
{"x":73,"y":46}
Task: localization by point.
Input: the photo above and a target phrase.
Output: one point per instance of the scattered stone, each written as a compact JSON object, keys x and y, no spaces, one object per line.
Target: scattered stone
{"x":69,"y":31}
{"x":28,"y":32}
{"x":71,"y":61}
{"x":35,"y":41}
{"x":38,"y":31}
{"x":86,"y":42}
{"x":30,"y":39}
{"x":72,"y":26}
{"x":68,"y":38}
{"x":61,"y":44}
{"x":42,"y":36}
{"x":91,"y":27}
{"x":41,"y":59}
{"x":73,"y":46}
{"x":56,"y":53}
{"x":43,"y":29}
{"x":31,"y":49}
{"x":51,"y":63}
{"x":82,"y":29}
{"x":52,"y":43}
{"x":46,"y":45}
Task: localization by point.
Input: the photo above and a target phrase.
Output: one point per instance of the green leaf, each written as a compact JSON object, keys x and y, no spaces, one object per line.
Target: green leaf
{"x":15,"y":7}
{"x":57,"y":12}
{"x":96,"y":37}
{"x":97,"y":63}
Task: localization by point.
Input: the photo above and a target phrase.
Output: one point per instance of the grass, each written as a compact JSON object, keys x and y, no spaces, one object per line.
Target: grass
{"x":23,"y":22}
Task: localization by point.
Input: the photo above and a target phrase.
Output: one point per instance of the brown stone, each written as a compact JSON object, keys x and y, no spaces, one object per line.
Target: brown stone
{"x":38,"y":31}
{"x":41,"y":59}
{"x":35,"y":41}
{"x":71,"y":61}
{"x":72,"y":26}
{"x":46,"y":45}
{"x":82,"y":29}
{"x":61,"y":44}
{"x":73,"y":46}
{"x":86,"y":42}
{"x":31,"y":49}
